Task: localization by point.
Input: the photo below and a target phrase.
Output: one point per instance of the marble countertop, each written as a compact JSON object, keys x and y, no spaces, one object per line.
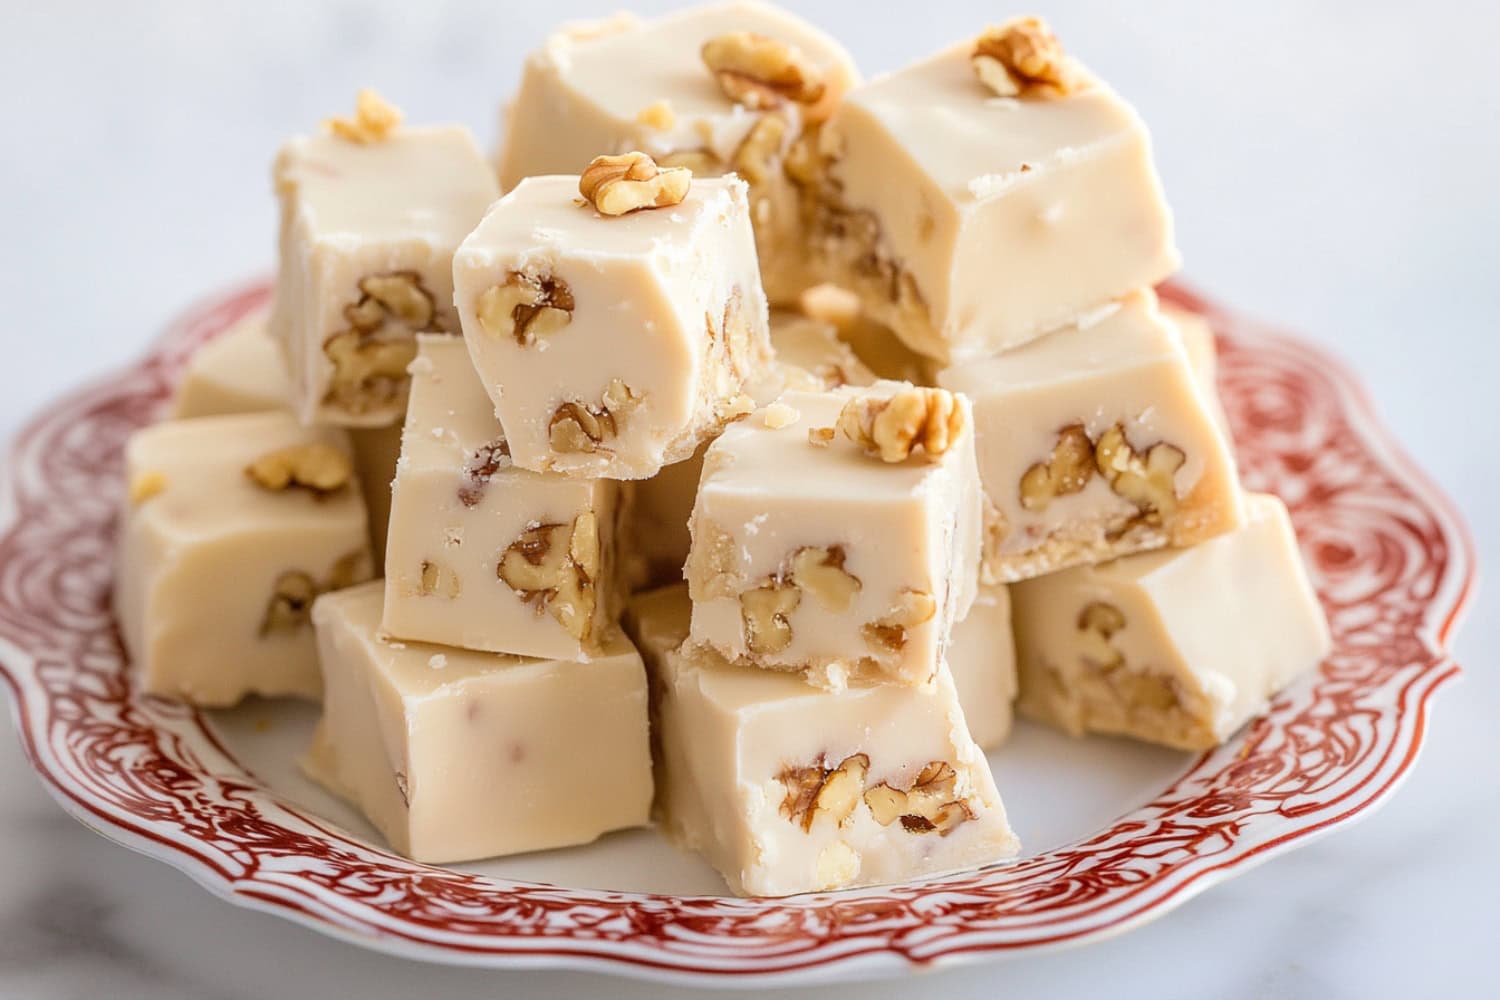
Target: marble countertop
{"x":1332,"y":167}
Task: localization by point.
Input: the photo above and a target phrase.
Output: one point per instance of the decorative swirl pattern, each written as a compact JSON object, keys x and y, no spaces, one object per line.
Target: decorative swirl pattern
{"x":1389,"y":557}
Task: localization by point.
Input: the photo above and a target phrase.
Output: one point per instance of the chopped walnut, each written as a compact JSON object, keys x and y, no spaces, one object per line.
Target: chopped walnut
{"x":820,"y":572}
{"x":1067,"y":471}
{"x":617,"y":185}
{"x":930,"y":804}
{"x":892,"y":427}
{"x":525,"y":306}
{"x":146,"y":485}
{"x":1097,"y":624}
{"x":370,"y":356}
{"x":764,"y":611}
{"x":822,"y":437}
{"x":576,"y":428}
{"x":815,"y":791}
{"x":1021,"y":58}
{"x":702,"y":162}
{"x":889,"y":634}
{"x":761,"y":72}
{"x":758,"y":152}
{"x":658,"y":115}
{"x":436,"y":580}
{"x":1143,"y":478}
{"x":481,"y":467}
{"x":374,"y":119}
{"x":555,"y":567}
{"x":291,"y":603}
{"x":319,"y":468}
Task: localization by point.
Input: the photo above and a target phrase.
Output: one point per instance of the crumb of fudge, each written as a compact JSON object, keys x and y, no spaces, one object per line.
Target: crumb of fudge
{"x":1065,"y":472}
{"x":931,"y":803}
{"x":889,"y":633}
{"x":820,"y":572}
{"x":736,"y":407}
{"x":764,"y":611}
{"x":1022,"y":57}
{"x":554,"y":567}
{"x":525,"y":306}
{"x":146,"y":485}
{"x":838,"y":865}
{"x":761,"y":72}
{"x":630,"y":182}
{"x":779,"y":415}
{"x":576,"y":428}
{"x":371,"y":355}
{"x":319,"y":468}
{"x":437,"y":661}
{"x":816,"y":790}
{"x":436,"y":580}
{"x":374,"y":119}
{"x":1145,"y":478}
{"x":820,"y":437}
{"x":1097,"y":624}
{"x":290,"y":606}
{"x":480,"y":469}
{"x":658,"y":115}
{"x":891,"y":427}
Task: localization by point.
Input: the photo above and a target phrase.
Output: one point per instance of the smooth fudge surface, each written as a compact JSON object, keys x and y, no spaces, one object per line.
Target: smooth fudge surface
{"x":821,"y":558}
{"x":482,"y":554}
{"x":656,"y":325}
{"x":455,"y":755}
{"x":1094,"y":442}
{"x":786,"y":788}
{"x":982,"y":660}
{"x":368,"y":232}
{"x":1203,"y":355}
{"x":1178,"y":647}
{"x":215,"y":573}
{"x":239,"y":371}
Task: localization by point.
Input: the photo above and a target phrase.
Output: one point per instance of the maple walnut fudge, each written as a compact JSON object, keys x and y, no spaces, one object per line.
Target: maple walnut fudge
{"x":786,"y":788}
{"x":970,"y":219}
{"x":482,"y":554}
{"x":371,"y":212}
{"x":982,"y":661}
{"x":239,"y":371}
{"x":1178,"y":647}
{"x":231,"y":526}
{"x":456,"y":755}
{"x":717,"y":88}
{"x":614,"y":344}
{"x":1203,"y":356}
{"x":838,"y":533}
{"x":1094,"y":442}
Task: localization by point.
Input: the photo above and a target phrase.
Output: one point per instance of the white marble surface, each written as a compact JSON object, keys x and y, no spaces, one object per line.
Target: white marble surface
{"x":1333,"y":165}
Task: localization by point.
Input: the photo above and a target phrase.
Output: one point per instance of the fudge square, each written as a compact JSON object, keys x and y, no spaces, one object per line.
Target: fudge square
{"x":971,"y":219}
{"x":456,"y":755}
{"x":1203,"y":356}
{"x":231,"y":526}
{"x":1094,"y":442}
{"x":716,"y":88}
{"x":1177,"y":647}
{"x":614,"y":344}
{"x":838,"y":533}
{"x":371,"y":213}
{"x":239,"y":371}
{"x":481,"y":554}
{"x":982,"y":661}
{"x":786,"y":788}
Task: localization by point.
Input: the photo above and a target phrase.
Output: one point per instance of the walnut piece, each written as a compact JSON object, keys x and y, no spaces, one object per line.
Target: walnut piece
{"x":291,"y":603}
{"x":370,"y":356}
{"x":758,"y":152}
{"x":889,"y":634}
{"x":554,"y":567}
{"x":820,"y":572}
{"x":892,"y":427}
{"x":576,"y":428}
{"x":146,"y":485}
{"x":1143,"y":478}
{"x":319,"y":468}
{"x":658,"y":115}
{"x":480,"y":468}
{"x":702,"y":162}
{"x":815,"y":791}
{"x":374,"y":119}
{"x":764,"y":611}
{"x":525,"y":306}
{"x":1067,"y":471}
{"x":1097,"y":624}
{"x":761,"y":72}
{"x":1021,"y":58}
{"x":821,"y":437}
{"x":617,"y":185}
{"x":436,"y":580}
{"x":930,"y":804}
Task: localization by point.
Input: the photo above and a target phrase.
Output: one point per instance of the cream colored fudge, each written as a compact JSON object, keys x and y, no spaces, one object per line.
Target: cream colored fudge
{"x":970,"y":221}
{"x":612,"y":345}
{"x":371,"y":213}
{"x":230,"y":527}
{"x":982,"y":660}
{"x":456,"y":755}
{"x":785,"y":788}
{"x":626,"y":83}
{"x":376,"y":451}
{"x":876,"y":346}
{"x":1178,"y":647}
{"x":239,"y":371}
{"x":1094,"y":442}
{"x":811,"y":553}
{"x":481,"y":554}
{"x":1203,"y":355}
{"x":811,"y":355}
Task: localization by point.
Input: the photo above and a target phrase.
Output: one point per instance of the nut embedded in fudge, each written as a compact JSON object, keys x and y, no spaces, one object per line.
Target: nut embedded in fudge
{"x":970,"y":222}
{"x":786,"y":788}
{"x":612,"y":345}
{"x":371,"y":213}
{"x":716,"y":88}
{"x":231,"y":526}
{"x":1179,"y":647}
{"x":1094,"y":442}
{"x":482,"y":554}
{"x":811,"y":553}
{"x":456,"y":755}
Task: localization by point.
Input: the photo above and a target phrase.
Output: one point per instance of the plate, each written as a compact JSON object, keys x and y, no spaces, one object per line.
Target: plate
{"x":1116,"y":833}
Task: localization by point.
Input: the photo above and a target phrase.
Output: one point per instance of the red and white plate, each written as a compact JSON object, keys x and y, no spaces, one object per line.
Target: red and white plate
{"x":1117,"y":833}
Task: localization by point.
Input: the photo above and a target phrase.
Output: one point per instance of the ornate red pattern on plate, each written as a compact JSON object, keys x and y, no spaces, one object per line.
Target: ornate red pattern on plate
{"x":1389,"y":556}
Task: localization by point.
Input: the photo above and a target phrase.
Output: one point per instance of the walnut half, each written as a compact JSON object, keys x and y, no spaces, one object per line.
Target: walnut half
{"x":370,"y":356}
{"x":817,"y":791}
{"x":1022,"y":57}
{"x":618,"y":185}
{"x":930,"y":804}
{"x":893,"y":426}
{"x":525,"y":306}
{"x":555,"y":567}
{"x":374,"y":119}
{"x":761,"y":72}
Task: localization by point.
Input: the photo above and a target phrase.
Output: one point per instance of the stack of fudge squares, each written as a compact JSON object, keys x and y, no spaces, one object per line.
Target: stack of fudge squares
{"x":738,"y":469}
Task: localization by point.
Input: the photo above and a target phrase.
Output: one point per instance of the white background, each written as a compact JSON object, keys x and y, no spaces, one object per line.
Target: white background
{"x":1333,"y":166}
